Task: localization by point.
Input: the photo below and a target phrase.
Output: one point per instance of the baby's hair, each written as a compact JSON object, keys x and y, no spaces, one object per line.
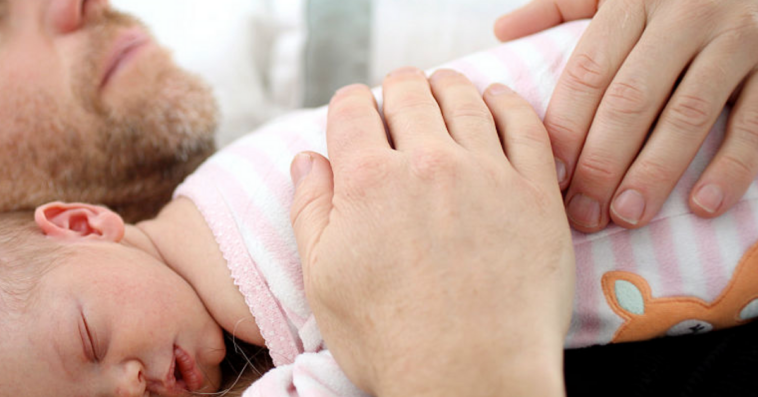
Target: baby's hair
{"x":25,"y":256}
{"x":243,"y":365}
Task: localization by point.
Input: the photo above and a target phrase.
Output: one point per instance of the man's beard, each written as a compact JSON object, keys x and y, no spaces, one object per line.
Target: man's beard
{"x":128,"y":153}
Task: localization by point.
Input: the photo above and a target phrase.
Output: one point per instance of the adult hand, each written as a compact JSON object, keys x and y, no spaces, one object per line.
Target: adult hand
{"x":672,"y":64}
{"x":442,"y":264}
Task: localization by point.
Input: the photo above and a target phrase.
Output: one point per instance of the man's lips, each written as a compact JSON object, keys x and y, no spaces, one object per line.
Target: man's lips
{"x":126,"y":47}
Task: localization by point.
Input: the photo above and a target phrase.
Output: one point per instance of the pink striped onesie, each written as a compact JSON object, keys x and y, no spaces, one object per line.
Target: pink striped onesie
{"x":679,"y":275}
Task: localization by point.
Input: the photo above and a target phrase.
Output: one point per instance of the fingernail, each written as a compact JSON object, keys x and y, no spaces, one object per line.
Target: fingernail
{"x":584,"y":211}
{"x":629,"y":206}
{"x":560,"y":169}
{"x":500,"y":89}
{"x":301,"y":167}
{"x":404,"y":71}
{"x":709,"y":198}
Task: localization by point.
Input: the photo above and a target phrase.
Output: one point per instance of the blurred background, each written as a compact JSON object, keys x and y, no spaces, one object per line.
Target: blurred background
{"x":266,"y":57}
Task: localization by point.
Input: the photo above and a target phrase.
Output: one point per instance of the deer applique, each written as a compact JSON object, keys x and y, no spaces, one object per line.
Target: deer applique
{"x":646,"y":317}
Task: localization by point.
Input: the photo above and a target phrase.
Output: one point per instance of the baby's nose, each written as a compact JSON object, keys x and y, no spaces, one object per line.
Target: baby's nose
{"x":130,"y":380}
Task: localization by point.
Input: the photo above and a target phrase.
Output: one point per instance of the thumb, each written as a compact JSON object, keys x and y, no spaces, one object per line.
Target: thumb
{"x":539,"y":15}
{"x":312,"y":204}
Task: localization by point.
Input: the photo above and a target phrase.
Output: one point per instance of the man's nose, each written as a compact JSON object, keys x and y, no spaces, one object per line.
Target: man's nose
{"x":130,"y":380}
{"x":67,"y":16}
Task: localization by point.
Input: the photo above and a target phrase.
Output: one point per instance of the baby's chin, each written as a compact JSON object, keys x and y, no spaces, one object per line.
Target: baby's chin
{"x":210,"y":357}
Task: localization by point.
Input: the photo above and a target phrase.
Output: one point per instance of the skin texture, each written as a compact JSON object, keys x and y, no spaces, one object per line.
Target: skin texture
{"x":66,"y":136}
{"x":667,"y":65}
{"x":106,"y":318}
{"x":167,"y":272}
{"x":467,"y":199}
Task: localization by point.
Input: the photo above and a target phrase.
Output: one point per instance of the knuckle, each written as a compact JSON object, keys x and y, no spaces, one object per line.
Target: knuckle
{"x":302,"y":201}
{"x":628,"y":98}
{"x":410,"y":103}
{"x":366,"y":171}
{"x":654,"y":173}
{"x":444,"y":78}
{"x":690,"y":111}
{"x":597,"y":169}
{"x":470,"y":113}
{"x":564,"y":129}
{"x":745,"y":128}
{"x":431,"y":163}
{"x":743,"y":30}
{"x":347,"y":110}
{"x":738,"y":167}
{"x":533,"y":137}
{"x":693,"y":11}
{"x":586,"y":73}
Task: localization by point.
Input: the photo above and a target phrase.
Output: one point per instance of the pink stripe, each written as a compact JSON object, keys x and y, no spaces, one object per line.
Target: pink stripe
{"x":202,"y":188}
{"x":705,"y":235}
{"x":668,"y":264}
{"x":623,"y":252}
{"x":259,"y":161}
{"x":259,"y":226}
{"x":524,"y":81}
{"x":473,"y":72}
{"x":586,"y":307}
{"x":692,"y":174}
{"x":577,"y":28}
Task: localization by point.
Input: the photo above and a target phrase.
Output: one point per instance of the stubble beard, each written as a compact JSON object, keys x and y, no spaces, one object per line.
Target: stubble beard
{"x":128,"y":152}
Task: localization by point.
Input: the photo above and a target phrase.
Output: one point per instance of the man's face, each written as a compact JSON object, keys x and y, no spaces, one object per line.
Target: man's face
{"x":92,"y":109}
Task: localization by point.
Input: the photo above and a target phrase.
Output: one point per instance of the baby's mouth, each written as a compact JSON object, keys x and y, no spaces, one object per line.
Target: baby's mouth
{"x":188,"y":376}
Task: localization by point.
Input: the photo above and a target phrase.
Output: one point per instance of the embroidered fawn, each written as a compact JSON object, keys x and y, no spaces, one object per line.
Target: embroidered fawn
{"x":646,"y":317}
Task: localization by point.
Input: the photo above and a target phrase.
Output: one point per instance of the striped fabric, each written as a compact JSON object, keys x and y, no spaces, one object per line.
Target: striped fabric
{"x":688,"y":263}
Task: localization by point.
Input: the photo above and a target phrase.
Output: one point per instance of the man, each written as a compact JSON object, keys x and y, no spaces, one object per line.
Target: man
{"x":92,"y":109}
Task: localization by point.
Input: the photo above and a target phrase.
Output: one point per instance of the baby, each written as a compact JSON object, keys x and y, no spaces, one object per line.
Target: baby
{"x":92,"y":306}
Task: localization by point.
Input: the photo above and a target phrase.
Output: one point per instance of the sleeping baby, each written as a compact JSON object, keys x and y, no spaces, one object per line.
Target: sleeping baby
{"x":91,"y":306}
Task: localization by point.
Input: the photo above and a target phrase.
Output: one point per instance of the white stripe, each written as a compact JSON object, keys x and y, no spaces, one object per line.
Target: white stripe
{"x":602,"y":252}
{"x":691,"y":266}
{"x":276,"y":213}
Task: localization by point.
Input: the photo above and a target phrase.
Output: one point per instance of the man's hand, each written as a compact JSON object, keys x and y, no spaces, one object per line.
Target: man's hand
{"x":668,"y":64}
{"x":441,"y":264}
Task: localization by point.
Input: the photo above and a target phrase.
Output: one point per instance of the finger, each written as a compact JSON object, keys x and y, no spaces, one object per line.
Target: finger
{"x":314,"y":189}
{"x":467,"y":117}
{"x":412,"y":114}
{"x":680,"y":131}
{"x":525,"y":140}
{"x":353,"y":123}
{"x":735,"y":166}
{"x":622,"y":122}
{"x":539,"y":15}
{"x":590,"y":70}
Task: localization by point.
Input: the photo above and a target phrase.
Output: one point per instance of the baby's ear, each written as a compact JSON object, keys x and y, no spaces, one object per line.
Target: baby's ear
{"x":73,"y":221}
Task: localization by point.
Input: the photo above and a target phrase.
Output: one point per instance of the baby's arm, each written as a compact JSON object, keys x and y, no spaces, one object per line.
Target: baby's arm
{"x":187,"y":244}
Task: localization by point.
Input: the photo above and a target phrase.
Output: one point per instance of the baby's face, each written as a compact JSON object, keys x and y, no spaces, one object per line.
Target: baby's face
{"x":111,"y":321}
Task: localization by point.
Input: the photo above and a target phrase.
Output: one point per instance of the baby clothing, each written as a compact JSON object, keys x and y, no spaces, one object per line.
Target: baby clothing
{"x":679,"y":275}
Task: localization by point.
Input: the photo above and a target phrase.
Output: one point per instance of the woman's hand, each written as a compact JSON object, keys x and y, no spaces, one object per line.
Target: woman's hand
{"x":440,"y":264}
{"x":668,"y":64}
